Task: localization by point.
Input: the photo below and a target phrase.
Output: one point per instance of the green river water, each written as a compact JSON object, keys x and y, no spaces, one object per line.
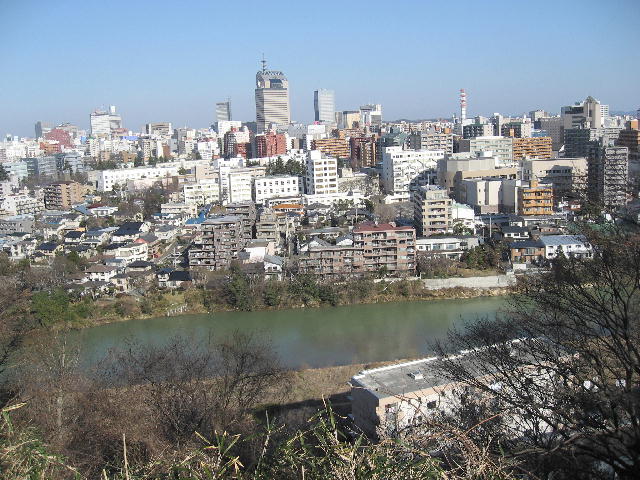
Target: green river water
{"x":309,"y":337}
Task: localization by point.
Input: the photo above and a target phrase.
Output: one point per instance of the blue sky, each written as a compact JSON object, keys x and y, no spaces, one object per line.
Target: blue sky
{"x":172,"y":60}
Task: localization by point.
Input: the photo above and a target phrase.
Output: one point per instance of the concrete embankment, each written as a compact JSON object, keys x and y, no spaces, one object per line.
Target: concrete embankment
{"x":491,"y":281}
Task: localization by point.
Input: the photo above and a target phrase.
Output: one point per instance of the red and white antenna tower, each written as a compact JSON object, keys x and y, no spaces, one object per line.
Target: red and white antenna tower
{"x":463,"y":106}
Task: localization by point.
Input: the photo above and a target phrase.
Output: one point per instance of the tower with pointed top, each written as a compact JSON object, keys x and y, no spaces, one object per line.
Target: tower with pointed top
{"x":272,"y":99}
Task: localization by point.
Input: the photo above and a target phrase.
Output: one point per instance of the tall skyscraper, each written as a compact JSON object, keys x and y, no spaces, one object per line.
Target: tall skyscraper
{"x":324,"y":105}
{"x":272,"y":99}
{"x":223,"y":111}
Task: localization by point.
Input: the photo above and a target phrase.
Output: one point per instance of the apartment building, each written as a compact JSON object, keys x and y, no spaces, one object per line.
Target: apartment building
{"x":63,"y":195}
{"x":432,"y":141}
{"x":219,"y":242}
{"x":203,"y":192}
{"x":567,"y":176}
{"x":270,"y":144}
{"x":477,"y":130}
{"x":459,"y":167}
{"x":630,"y":138}
{"x":386,"y":246}
{"x":236,"y":184}
{"x":363,"y":151}
{"x":431,"y":210}
{"x":501,"y":148}
{"x":404,"y":169}
{"x":21,"y":204}
{"x":321,"y":174}
{"x":247,"y":213}
{"x":275,"y":186}
{"x":179,"y":209}
{"x":535,"y":199}
{"x":517,"y":129}
{"x":532,"y":147}
{"x":376,"y":248}
{"x":608,"y":175}
{"x":553,"y":126}
{"x":106,"y":179}
{"x":333,"y":147}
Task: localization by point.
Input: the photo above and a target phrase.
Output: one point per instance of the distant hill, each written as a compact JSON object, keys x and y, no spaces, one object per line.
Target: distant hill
{"x":621,"y":113}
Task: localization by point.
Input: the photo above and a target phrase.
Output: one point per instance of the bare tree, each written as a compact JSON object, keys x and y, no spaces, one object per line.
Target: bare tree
{"x":564,"y":397}
{"x":192,"y":386}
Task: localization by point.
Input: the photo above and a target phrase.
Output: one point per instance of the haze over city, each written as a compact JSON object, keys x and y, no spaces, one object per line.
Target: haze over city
{"x":160,"y":61}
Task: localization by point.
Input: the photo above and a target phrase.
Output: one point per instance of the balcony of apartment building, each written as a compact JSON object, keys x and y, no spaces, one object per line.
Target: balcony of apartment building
{"x":540,"y":203}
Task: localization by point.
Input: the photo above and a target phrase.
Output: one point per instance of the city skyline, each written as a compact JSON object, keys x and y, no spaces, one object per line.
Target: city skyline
{"x":37,"y":85}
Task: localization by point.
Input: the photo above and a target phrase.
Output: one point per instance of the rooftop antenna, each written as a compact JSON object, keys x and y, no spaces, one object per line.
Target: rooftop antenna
{"x":264,"y":64}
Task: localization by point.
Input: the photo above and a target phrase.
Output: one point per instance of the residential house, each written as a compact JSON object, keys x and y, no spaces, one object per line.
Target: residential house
{"x":526,"y":251}
{"x":48,"y":249}
{"x":129,"y":231}
{"x":100,"y":273}
{"x":153,"y":244}
{"x":178,"y":279}
{"x":575,"y":246}
{"x":131,"y":252}
{"x":73,"y":237}
{"x":163,"y":276}
{"x":273,"y":265}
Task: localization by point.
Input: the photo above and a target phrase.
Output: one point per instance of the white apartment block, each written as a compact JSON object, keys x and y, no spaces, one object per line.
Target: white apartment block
{"x":236,"y":185}
{"x":202,"y":193}
{"x":208,"y":149}
{"x":501,"y":148}
{"x":402,"y":168}
{"x":277,"y":186}
{"x":226,"y":125}
{"x":179,"y":209}
{"x":21,"y":204}
{"x":106,"y":179}
{"x":322,"y":174}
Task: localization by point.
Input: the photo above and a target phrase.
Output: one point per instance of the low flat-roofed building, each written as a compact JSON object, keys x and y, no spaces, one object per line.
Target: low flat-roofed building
{"x":388,"y":398}
{"x":448,"y":246}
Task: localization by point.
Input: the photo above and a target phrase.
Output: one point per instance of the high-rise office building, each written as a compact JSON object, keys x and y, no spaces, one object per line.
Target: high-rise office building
{"x":587,"y":114}
{"x":104,"y":122}
{"x":371,"y":114}
{"x":324,"y":105}
{"x":223,"y":111}
{"x":159,"y":128}
{"x":42,"y":128}
{"x":272,"y":99}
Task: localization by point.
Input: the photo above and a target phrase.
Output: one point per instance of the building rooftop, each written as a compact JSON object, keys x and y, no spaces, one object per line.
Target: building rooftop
{"x":223,"y":219}
{"x":559,"y":240}
{"x":378,"y":227}
{"x":400,"y":378}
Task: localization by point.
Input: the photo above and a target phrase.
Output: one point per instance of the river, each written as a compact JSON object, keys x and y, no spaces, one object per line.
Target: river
{"x":310,"y":337}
